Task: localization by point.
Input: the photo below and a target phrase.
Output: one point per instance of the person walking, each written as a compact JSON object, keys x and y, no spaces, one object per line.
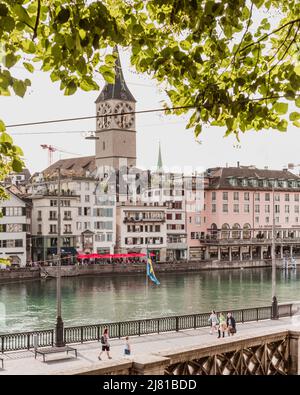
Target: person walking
{"x":222,"y":325}
{"x":213,"y":319}
{"x":105,"y":344}
{"x":231,"y":324}
{"x":127,"y":348}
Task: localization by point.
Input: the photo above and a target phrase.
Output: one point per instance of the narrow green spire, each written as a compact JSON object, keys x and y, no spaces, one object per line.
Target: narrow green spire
{"x":159,"y":161}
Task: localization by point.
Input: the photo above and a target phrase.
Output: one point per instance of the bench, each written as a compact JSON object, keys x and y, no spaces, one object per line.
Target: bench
{"x":53,"y":350}
{"x":2,"y":363}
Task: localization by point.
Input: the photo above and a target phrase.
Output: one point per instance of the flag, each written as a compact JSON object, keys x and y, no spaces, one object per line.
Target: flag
{"x":150,"y":271}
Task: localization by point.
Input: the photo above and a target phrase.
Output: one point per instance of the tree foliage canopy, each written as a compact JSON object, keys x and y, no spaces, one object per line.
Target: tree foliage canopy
{"x":235,"y":62}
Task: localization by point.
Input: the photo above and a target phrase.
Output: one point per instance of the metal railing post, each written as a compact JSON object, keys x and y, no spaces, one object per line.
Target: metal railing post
{"x":177,"y":324}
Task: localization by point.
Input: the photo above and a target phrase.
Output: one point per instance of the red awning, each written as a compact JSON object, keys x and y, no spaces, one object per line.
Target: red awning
{"x":106,"y":256}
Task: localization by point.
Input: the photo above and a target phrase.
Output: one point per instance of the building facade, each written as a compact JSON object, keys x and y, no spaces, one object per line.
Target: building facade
{"x":15,"y":230}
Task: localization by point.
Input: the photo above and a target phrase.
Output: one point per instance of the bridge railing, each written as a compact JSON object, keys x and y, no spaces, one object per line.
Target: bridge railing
{"x":86,"y":333}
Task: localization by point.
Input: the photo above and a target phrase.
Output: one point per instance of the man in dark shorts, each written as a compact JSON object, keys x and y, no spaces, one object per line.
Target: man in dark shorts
{"x":105,"y":344}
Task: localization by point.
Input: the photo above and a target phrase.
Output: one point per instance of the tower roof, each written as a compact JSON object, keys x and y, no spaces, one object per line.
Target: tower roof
{"x":119,"y":90}
{"x":159,"y":160}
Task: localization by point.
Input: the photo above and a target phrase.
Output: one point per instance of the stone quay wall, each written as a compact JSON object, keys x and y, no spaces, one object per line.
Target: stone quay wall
{"x":122,"y":268}
{"x":21,"y":274}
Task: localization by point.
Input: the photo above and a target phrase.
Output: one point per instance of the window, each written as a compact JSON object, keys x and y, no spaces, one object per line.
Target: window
{"x":157,"y":228}
{"x":257,"y":210}
{"x":267,"y":208}
{"x":79,"y":210}
{"x":277,"y":219}
{"x":225,"y":208}
{"x":256,"y":220}
{"x":225,"y":195}
{"x":296,"y":197}
{"x":39,"y":228}
{"x":287,"y":197}
{"x":87,"y":186}
{"x":53,"y":203}
{"x":109,"y":236}
{"x":52,"y":215}
{"x":277,"y":198}
{"x":296,"y":219}
{"x":67,"y":215}
{"x":296,"y":209}
{"x":198,"y":220}
{"x":267,"y":197}
{"x":267,"y":220}
{"x":13,"y":211}
{"x":246,"y":208}
{"x":256,"y":196}
{"x":87,"y":198}
{"x":86,"y":211}
{"x":67,"y":228}
{"x":169,"y":216}
{"x":178,"y":216}
{"x":277,"y":208}
{"x":286,"y":220}
{"x":213,"y":208}
{"x":246,"y":196}
{"x":235,"y":208}
{"x":19,"y":243}
{"x":78,"y":225}
{"x":286,"y":209}
{"x":213,"y":196}
{"x":53,"y":229}
{"x":103,"y":145}
{"x":235,"y":196}
{"x":11,"y":228}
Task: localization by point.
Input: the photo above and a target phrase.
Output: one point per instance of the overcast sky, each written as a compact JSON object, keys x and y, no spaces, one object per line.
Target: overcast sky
{"x":45,"y":101}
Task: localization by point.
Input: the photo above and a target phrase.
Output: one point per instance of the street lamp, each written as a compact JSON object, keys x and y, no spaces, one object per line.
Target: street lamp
{"x":59,"y":338}
{"x":274,"y":314}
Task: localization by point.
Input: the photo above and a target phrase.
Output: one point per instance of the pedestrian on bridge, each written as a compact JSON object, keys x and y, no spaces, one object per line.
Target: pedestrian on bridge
{"x":214,"y":322}
{"x":222,"y":325}
{"x":231,"y":324}
{"x":105,"y":344}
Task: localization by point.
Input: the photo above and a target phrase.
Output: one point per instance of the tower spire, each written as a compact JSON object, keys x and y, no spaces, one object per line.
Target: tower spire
{"x":119,"y":90}
{"x":159,"y":160}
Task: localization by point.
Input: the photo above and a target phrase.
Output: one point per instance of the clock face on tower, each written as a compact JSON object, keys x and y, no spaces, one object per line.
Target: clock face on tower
{"x":104,"y":121}
{"x":125,"y":121}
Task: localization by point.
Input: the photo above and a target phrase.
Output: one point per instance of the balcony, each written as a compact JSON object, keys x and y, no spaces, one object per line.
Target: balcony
{"x":52,"y":219}
{"x":134,"y":219}
{"x":68,"y":232}
{"x":67,"y":219}
{"x":249,"y":241}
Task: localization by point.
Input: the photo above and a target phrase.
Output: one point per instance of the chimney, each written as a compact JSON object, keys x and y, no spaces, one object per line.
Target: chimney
{"x":238,"y":164}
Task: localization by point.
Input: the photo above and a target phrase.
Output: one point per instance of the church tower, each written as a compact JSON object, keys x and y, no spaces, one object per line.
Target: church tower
{"x":116,"y":135}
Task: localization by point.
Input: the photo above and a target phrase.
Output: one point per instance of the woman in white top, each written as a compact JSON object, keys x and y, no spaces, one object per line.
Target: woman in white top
{"x":214,"y":322}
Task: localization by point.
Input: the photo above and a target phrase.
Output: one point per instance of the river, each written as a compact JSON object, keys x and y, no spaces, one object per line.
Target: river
{"x":31,"y":305}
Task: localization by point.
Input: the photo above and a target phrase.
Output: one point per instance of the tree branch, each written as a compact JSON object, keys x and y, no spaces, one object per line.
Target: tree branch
{"x":269,"y":34}
{"x":37,"y":21}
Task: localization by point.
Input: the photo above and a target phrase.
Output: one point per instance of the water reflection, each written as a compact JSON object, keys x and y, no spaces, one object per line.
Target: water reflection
{"x":32,"y":305}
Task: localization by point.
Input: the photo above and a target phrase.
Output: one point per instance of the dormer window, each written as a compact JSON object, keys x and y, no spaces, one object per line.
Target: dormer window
{"x":245,"y":182}
{"x":275,"y":183}
{"x":233,"y":182}
{"x":285,"y":184}
{"x":265,"y":182}
{"x":254,"y":183}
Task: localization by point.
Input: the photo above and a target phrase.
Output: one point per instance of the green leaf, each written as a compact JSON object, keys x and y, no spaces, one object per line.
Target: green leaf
{"x":28,"y":66}
{"x":11,"y":60}
{"x":5,"y":138}
{"x":17,"y":165}
{"x":2,"y":126}
{"x":70,"y":89}
{"x":294,"y":116}
{"x":28,"y":46}
{"x":297,"y":124}
{"x":282,"y":125}
{"x":281,"y":108}
{"x":297,"y":69}
{"x":198,"y":130}
{"x":63,"y":15}
{"x":19,"y":88}
{"x":297,"y":102}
